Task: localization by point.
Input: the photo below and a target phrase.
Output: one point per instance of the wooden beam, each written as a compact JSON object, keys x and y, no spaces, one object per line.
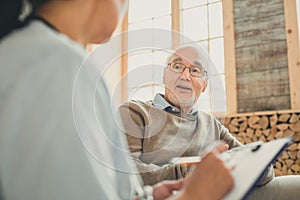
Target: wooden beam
{"x":229,"y":56}
{"x":271,"y":112}
{"x":175,"y":14}
{"x":124,"y":59}
{"x":292,"y":38}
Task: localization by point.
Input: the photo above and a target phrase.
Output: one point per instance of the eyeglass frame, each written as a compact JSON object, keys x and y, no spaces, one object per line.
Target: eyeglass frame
{"x":204,"y":72}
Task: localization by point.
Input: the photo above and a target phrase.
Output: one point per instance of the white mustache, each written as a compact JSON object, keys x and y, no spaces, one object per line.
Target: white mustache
{"x":184,"y":87}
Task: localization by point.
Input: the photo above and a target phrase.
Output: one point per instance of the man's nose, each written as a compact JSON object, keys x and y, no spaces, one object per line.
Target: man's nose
{"x":186,"y":74}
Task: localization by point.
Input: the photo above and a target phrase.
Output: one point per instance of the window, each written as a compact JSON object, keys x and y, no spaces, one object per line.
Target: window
{"x":201,"y":22}
{"x":145,"y":65}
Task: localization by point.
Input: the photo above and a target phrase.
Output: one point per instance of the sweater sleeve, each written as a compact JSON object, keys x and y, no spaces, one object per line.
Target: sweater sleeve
{"x":134,"y":124}
{"x":227,"y":137}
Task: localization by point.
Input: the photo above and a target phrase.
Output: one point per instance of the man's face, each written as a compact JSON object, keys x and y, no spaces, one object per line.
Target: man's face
{"x":183,"y":89}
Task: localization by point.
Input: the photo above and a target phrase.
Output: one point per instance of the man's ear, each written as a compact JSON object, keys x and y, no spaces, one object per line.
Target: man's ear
{"x":204,"y":87}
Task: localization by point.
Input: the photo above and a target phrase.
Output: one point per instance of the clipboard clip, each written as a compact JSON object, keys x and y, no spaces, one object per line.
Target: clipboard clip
{"x":256,"y":148}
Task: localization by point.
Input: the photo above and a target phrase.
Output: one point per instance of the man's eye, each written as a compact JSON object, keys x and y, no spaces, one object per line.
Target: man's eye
{"x":177,"y":66}
{"x":195,"y":70}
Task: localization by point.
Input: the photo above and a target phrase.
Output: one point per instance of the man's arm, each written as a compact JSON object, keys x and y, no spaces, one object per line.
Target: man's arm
{"x":133,"y":124}
{"x":152,"y":173}
{"x":208,"y":175}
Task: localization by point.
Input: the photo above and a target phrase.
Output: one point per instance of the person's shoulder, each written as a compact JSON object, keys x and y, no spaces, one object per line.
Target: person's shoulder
{"x":40,"y":40}
{"x":209,"y":118}
{"x":205,"y":116}
{"x":135,"y":104}
{"x":51,"y":39}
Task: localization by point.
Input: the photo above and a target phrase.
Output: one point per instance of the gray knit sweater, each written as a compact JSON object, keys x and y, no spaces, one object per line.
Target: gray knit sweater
{"x":155,"y":136}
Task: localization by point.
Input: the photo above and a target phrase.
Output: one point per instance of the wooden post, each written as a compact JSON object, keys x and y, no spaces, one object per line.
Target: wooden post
{"x":229,"y":53}
{"x":292,"y":38}
{"x":175,"y":24}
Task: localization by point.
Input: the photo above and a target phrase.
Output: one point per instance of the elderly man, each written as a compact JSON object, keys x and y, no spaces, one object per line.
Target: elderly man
{"x":169,"y":126}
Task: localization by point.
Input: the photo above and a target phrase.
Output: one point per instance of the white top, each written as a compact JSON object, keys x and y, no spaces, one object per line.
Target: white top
{"x":41,"y":155}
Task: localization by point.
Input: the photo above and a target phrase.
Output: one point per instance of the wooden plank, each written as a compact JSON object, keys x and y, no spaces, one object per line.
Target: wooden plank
{"x":267,"y":112}
{"x":229,"y":57}
{"x":263,"y":84}
{"x":260,"y":31}
{"x":263,"y":104}
{"x":261,"y":57}
{"x":252,"y":9}
{"x":292,"y":38}
{"x":175,"y":23}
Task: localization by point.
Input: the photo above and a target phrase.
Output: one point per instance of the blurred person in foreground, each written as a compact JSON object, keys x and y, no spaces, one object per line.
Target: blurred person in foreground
{"x":41,"y":155}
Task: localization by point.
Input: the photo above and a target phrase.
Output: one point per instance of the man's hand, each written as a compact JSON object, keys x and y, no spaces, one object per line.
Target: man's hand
{"x":165,"y":189}
{"x":210,"y":178}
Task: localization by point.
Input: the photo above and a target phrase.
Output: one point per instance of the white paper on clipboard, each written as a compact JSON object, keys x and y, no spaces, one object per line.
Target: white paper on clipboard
{"x":251,"y":165}
{"x":251,"y":161}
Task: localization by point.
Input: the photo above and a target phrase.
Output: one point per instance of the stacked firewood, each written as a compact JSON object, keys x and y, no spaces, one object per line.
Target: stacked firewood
{"x":251,"y":128}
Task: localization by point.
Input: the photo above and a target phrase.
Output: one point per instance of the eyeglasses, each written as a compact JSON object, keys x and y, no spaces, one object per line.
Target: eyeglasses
{"x":196,"y":71}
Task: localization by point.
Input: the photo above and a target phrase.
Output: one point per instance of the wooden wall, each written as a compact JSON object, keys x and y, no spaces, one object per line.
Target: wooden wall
{"x":261,"y":56}
{"x":262,"y":66}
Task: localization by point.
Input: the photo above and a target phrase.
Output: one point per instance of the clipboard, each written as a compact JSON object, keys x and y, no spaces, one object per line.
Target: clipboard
{"x":252,"y":164}
{"x":251,"y":161}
